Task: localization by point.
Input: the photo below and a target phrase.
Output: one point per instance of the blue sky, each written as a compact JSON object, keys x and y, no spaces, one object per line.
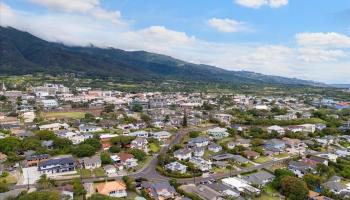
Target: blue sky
{"x":307,"y":39}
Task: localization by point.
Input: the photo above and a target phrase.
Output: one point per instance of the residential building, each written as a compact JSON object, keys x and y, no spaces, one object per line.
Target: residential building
{"x":218,"y":133}
{"x":176,"y":167}
{"x":112,"y":189}
{"x":91,"y":162}
{"x":183,"y":154}
{"x":57,"y":166}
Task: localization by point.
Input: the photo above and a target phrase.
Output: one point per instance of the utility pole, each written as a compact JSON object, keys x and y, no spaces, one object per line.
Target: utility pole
{"x":28,"y":181}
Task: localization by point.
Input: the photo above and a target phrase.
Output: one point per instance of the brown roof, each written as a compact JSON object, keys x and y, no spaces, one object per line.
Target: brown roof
{"x":313,"y":194}
{"x":250,"y":153}
{"x":124,"y":156}
{"x":106,"y":188}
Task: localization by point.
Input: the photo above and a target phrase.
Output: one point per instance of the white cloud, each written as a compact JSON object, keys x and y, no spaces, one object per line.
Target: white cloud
{"x":312,"y":62}
{"x":227,"y":25}
{"x":89,"y":7}
{"x":330,"y":39}
{"x":258,"y":3}
{"x":68,"y":5}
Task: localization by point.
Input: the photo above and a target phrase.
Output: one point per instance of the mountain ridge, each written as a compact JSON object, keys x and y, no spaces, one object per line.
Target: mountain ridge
{"x":24,"y":53}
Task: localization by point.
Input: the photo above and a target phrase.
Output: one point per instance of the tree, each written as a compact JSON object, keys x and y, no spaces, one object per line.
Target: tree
{"x":41,"y":195}
{"x":10,"y":144}
{"x":312,"y":181}
{"x":115,"y":149}
{"x":61,"y":143}
{"x":84,"y":150}
{"x":184,"y":120}
{"x":294,"y":188}
{"x":109,"y":108}
{"x":45,"y":183}
{"x":194,"y":134}
{"x":94,"y":142}
{"x":137,"y":108}
{"x":45,"y":135}
{"x":129,"y":182}
{"x":78,"y":188}
{"x":31,"y":144}
{"x":138,"y":154}
{"x":3,"y":186}
{"x":146,"y":118}
{"x":105,"y":158}
{"x":102,"y":197}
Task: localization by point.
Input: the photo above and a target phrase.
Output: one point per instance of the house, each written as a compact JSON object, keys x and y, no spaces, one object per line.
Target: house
{"x":286,"y":117}
{"x":140,"y":143}
{"x":260,"y":178}
{"x":161,"y":135}
{"x":159,"y":190}
{"x":89,"y":128}
{"x":183,"y":154}
{"x":126,"y":160}
{"x":222,"y":157}
{"x":176,"y":167}
{"x":139,"y":134}
{"x":243,"y":142}
{"x":320,"y":160}
{"x":113,"y":189}
{"x":252,"y":155}
{"x":320,"y":126}
{"x":49,"y":103}
{"x":57,"y":166}
{"x":309,"y":128}
{"x":54,"y":126}
{"x":198,"y":142}
{"x":201,"y":164}
{"x":224,"y":118}
{"x":240,"y":159}
{"x":300,"y":168}
{"x":218,"y":133}
{"x":295,"y":128}
{"x":275,"y":128}
{"x":335,"y":187}
{"x":48,"y":144}
{"x":110,"y":170}
{"x":198,"y":151}
{"x":34,"y":160}
{"x":241,"y":185}
{"x":214,"y":147}
{"x":25,"y":134}
{"x":231,"y":145}
{"x":275,"y":145}
{"x":91,"y":162}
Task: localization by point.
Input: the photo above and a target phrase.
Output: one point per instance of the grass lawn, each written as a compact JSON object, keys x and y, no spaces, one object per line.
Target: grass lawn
{"x":85,"y":173}
{"x":269,"y":193}
{"x":99,"y":172}
{"x":154,"y":147}
{"x":281,"y":155}
{"x":247,"y":165}
{"x":73,"y":115}
{"x":262,"y":159}
{"x":9,"y":179}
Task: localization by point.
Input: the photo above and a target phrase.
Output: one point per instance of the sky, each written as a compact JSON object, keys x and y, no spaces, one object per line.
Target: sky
{"x":307,"y":39}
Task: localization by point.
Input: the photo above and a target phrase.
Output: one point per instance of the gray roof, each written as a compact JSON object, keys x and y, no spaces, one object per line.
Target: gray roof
{"x":57,"y":161}
{"x":336,"y":186}
{"x":198,"y":140}
{"x":258,"y":178}
{"x":91,"y":160}
{"x":225,"y":156}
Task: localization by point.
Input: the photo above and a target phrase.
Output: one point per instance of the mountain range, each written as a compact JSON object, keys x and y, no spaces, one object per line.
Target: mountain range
{"x":23,"y":53}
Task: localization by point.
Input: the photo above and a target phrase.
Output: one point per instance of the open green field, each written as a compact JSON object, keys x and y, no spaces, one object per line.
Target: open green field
{"x":281,"y":155}
{"x":154,"y":147}
{"x":9,"y":180}
{"x":73,"y":115}
{"x":262,"y":159}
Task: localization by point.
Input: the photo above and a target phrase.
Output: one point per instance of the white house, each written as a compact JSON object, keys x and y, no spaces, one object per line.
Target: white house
{"x":49,"y":103}
{"x":201,"y":164}
{"x":276,"y":128}
{"x":54,"y":126}
{"x":183,"y":154}
{"x":218,"y":133}
{"x":176,"y":167}
{"x":161,"y":135}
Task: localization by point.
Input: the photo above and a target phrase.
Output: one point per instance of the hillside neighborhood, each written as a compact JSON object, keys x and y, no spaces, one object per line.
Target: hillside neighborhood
{"x":90,"y":143}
